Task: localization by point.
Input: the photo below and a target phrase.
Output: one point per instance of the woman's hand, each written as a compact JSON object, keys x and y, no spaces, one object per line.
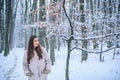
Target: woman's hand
{"x":45,"y":71}
{"x":29,"y":74}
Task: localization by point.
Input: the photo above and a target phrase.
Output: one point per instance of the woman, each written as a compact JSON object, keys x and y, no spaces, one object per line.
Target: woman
{"x":36,"y":62}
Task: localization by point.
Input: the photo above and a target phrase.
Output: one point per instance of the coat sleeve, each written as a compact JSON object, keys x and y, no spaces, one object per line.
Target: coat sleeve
{"x":47,"y":61}
{"x":25,"y":64}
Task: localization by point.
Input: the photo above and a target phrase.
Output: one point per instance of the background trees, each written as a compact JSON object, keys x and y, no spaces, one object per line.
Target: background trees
{"x":7,"y":20}
{"x":89,"y":25}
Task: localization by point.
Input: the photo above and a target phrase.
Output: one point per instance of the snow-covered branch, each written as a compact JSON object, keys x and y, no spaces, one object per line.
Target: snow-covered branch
{"x":90,"y":38}
{"x":88,"y":51}
{"x":64,"y":38}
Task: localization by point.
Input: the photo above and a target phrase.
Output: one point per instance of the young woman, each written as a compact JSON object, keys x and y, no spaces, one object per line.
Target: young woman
{"x":36,"y":62}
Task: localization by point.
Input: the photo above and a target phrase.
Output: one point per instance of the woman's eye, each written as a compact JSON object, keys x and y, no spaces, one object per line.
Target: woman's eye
{"x":36,"y":40}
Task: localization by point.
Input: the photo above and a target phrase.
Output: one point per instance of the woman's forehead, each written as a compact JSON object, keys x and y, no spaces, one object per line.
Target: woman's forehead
{"x":36,"y":38}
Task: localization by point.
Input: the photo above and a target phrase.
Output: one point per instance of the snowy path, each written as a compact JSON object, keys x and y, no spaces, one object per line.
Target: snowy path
{"x":18,"y":71}
{"x":8,"y":74}
{"x":11,"y":67}
{"x":7,"y":66}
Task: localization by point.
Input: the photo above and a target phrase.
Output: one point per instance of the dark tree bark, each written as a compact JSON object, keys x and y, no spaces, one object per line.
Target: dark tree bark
{"x":1,"y":24}
{"x":8,"y":26}
{"x":13,"y":19}
{"x":84,"y":35}
{"x":69,"y":41}
{"x":42,"y":32}
{"x":52,"y":39}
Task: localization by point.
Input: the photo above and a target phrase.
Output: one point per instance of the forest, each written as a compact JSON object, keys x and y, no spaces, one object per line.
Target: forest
{"x":90,"y":26}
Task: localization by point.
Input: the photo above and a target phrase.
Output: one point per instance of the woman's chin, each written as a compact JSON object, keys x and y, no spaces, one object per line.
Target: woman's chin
{"x":36,"y":46}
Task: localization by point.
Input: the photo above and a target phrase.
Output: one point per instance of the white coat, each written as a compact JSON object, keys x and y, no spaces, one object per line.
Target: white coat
{"x":36,"y":66}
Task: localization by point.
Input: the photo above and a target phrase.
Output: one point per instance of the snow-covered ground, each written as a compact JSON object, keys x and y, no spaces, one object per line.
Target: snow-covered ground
{"x":11,"y":66}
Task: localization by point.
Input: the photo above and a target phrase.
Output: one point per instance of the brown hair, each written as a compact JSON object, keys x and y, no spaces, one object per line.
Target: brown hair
{"x":30,"y":53}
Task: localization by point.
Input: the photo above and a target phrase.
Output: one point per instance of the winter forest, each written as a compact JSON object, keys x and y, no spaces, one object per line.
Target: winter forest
{"x":82,"y":37}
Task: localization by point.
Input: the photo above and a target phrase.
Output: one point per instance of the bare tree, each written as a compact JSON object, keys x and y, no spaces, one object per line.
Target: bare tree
{"x":8,"y":26}
{"x":1,"y":25}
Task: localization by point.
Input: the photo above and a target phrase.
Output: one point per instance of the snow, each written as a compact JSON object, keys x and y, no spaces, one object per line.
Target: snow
{"x":11,"y":66}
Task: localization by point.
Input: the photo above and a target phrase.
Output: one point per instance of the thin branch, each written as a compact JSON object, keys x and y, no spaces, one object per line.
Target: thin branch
{"x":94,"y":51}
{"x":65,"y":11}
{"x":108,"y":35}
{"x":68,"y":18}
{"x":64,"y":38}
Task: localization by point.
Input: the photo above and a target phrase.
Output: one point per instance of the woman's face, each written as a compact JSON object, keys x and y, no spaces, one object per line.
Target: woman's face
{"x":36,"y":42}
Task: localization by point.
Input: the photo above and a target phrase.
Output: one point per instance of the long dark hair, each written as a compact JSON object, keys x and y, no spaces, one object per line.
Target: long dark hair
{"x":30,"y":53}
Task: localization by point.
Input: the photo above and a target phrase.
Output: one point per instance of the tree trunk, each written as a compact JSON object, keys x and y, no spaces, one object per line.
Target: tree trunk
{"x":25,"y":21}
{"x":59,"y":44}
{"x":8,"y":26}
{"x":94,"y":26}
{"x":34,"y":17}
{"x":69,"y":41}
{"x":47,"y":44}
{"x":109,"y":11}
{"x":13,"y":19}
{"x":68,"y":58}
{"x":84,"y":42}
{"x":52,"y":39}
{"x":1,"y":23}
{"x":101,"y":51}
{"x":42,"y":32}
{"x":114,"y":54}
{"x":52,"y":49}
{"x":3,"y":28}
{"x":0,"y":41}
